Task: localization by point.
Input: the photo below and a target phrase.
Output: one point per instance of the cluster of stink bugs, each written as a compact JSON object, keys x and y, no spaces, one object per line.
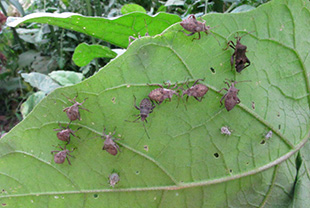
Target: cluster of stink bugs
{"x":238,"y":59}
{"x":64,"y":133}
{"x":157,"y":96}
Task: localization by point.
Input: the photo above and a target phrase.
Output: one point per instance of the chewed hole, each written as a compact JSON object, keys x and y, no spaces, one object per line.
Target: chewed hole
{"x":247,"y":163}
{"x":216,"y":155}
{"x":146,"y":148}
{"x":278,"y":114}
{"x":95,"y":196}
{"x":212,"y":70}
{"x":263,"y":141}
{"x":113,"y":100}
{"x":137,"y":172}
{"x":230,"y":170}
{"x":279,"y":126}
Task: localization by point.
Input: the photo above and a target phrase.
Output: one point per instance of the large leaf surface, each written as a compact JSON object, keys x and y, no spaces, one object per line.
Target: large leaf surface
{"x":115,"y":31}
{"x":187,"y":162}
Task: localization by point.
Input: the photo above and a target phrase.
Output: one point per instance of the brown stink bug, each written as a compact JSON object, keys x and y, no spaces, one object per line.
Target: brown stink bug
{"x":231,"y":98}
{"x":192,"y":25}
{"x":73,"y":112}
{"x":109,"y":145}
{"x":113,"y":179}
{"x":239,"y":57}
{"x":61,"y":156}
{"x":64,"y":133}
{"x":160,"y":94}
{"x":197,"y":90}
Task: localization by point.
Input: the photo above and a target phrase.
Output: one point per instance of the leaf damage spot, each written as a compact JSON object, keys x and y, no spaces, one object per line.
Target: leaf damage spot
{"x":216,"y":155}
{"x":146,"y":148}
{"x":113,"y":100}
{"x":3,"y":204}
{"x":212,"y":70}
{"x":96,"y":196}
{"x":137,"y":172}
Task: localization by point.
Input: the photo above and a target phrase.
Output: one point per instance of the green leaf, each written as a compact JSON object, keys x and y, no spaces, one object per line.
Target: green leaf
{"x":301,"y":189}
{"x":84,"y":53}
{"x":187,"y":162}
{"x":66,"y":78}
{"x":31,"y":102}
{"x":40,"y":81}
{"x":115,"y":31}
{"x":175,"y":3}
{"x":243,"y":8}
{"x":128,"y":8}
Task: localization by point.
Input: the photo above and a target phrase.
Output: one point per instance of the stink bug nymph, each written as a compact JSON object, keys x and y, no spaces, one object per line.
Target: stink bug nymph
{"x":73,"y":112}
{"x":197,"y":90}
{"x":231,"y":98}
{"x":64,"y":133}
{"x":192,"y":25}
{"x":146,"y":107}
{"x":160,"y":94}
{"x":61,"y":156}
{"x":109,"y":145}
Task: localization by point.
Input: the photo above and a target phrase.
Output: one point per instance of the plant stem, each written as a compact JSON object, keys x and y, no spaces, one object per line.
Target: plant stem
{"x":15,"y":34}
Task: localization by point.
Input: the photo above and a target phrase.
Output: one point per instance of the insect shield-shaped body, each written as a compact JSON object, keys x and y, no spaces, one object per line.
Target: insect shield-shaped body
{"x":73,"y":112}
{"x":64,"y":133}
{"x":239,"y":57}
{"x":197,"y":90}
{"x":146,"y":107}
{"x":160,"y":94}
{"x":192,"y":25}
{"x":113,"y":179}
{"x":231,"y":98}
{"x":61,"y":156}
{"x":109,"y":145}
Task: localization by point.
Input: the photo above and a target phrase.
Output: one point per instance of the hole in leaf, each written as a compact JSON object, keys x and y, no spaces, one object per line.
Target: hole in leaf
{"x":247,"y":163}
{"x":263,"y":141}
{"x":230,"y":170}
{"x":216,"y":155}
{"x":253,"y":105}
{"x":95,"y":196}
{"x":279,"y":126}
{"x":212,"y":70}
{"x":137,"y":172}
{"x":113,"y":100}
{"x":278,"y":114}
{"x":146,"y":148}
